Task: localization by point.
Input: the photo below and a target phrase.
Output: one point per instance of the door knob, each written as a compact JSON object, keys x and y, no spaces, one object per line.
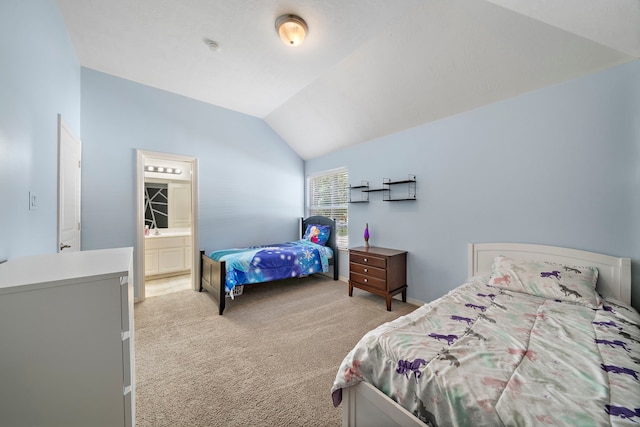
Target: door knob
{"x":63,"y":246}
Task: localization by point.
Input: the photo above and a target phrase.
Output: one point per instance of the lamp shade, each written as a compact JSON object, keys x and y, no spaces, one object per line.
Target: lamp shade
{"x":292,"y":29}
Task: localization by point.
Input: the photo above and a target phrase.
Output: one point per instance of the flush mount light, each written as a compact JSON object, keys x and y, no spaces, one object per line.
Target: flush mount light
{"x":292,"y":29}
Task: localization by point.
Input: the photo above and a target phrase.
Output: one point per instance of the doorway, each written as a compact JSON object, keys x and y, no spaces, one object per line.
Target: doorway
{"x":167,"y":220}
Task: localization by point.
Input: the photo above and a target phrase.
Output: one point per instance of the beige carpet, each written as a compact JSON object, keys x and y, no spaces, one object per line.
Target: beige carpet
{"x":270,"y":360}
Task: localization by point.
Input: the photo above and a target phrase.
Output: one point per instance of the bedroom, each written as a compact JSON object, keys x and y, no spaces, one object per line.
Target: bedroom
{"x":557,"y":165}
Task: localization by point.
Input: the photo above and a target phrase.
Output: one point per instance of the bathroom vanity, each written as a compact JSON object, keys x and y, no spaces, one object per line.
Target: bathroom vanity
{"x":167,"y":253}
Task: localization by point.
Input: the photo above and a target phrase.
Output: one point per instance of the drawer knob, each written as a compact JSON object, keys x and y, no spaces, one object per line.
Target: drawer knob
{"x":366,"y":260}
{"x":366,"y":280}
{"x":366,"y":270}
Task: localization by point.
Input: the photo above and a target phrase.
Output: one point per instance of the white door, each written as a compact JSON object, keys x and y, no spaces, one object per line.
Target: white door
{"x":69,"y":169}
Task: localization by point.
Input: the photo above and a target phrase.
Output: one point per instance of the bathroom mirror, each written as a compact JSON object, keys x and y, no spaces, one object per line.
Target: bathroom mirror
{"x":167,"y":204}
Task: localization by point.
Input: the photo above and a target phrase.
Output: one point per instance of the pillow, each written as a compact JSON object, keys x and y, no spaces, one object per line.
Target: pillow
{"x":317,"y":233}
{"x":547,"y":280}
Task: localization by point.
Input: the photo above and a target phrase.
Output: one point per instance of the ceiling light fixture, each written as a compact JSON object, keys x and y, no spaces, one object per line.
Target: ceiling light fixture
{"x":163,"y":169}
{"x":292,"y":29}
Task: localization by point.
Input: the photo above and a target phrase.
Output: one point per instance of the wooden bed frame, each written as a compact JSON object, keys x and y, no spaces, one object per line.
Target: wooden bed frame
{"x":364,"y":405}
{"x":213,"y":273}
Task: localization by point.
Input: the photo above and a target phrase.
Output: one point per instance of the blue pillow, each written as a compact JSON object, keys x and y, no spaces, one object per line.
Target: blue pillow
{"x":317,"y":233}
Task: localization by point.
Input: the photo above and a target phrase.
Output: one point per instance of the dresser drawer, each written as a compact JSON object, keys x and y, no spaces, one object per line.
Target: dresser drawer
{"x":367,"y":270}
{"x":372,"y":282}
{"x":366,"y":259}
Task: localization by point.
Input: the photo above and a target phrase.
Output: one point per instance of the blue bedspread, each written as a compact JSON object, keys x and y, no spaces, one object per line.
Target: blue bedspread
{"x":259,"y":264}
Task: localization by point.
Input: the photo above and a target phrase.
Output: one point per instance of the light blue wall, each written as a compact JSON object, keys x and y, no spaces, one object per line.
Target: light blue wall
{"x":634,"y":194}
{"x":39,"y":79}
{"x":557,"y":166}
{"x":250,"y":181}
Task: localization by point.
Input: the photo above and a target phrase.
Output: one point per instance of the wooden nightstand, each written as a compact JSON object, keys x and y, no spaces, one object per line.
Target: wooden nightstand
{"x":380,"y":271}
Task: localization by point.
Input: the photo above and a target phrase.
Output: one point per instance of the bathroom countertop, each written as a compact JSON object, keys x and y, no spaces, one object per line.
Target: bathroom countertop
{"x":168,"y":233}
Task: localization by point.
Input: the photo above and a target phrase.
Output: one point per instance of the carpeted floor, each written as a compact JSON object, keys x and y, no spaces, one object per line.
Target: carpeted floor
{"x":270,"y":360}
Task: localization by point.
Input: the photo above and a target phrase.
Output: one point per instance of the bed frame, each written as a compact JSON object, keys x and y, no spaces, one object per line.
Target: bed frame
{"x":364,"y":405}
{"x":213,"y":273}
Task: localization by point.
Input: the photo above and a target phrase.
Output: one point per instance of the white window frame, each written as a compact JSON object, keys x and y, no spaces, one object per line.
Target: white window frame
{"x":337,"y":208}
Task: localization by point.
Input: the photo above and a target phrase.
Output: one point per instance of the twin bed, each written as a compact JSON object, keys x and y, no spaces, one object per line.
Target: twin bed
{"x":224,"y":272}
{"x":525,"y":341}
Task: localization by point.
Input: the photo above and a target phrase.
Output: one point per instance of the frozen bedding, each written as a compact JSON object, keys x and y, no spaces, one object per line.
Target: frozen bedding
{"x":508,"y":350}
{"x":273,"y":262}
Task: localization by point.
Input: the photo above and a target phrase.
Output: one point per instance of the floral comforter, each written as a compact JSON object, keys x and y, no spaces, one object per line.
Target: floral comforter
{"x":273,"y":262}
{"x":482,"y":356}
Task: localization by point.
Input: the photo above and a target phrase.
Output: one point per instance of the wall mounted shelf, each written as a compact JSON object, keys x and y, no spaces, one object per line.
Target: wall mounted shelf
{"x":388,"y":195}
{"x":408,"y":194}
{"x":362,"y":191}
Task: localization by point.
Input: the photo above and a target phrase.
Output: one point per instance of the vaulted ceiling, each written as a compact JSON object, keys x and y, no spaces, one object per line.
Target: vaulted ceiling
{"x":367,"y":68}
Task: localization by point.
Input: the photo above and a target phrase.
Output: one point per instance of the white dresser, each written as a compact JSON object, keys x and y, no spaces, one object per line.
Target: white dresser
{"x":66,"y":340}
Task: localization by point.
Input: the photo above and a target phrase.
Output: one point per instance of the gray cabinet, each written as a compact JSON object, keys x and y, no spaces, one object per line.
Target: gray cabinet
{"x":66,"y":328}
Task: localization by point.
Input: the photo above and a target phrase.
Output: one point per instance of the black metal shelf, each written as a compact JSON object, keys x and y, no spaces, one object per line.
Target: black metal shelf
{"x":410,"y":183}
{"x":364,"y":190}
{"x":400,"y":182}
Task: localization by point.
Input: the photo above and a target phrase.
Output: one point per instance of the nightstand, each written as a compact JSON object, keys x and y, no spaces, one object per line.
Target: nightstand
{"x":381,"y":271}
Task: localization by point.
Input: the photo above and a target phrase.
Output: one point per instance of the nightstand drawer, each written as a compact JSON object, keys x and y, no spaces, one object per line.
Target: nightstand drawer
{"x":368,"y":260}
{"x":367,"y":270}
{"x":369,"y":281}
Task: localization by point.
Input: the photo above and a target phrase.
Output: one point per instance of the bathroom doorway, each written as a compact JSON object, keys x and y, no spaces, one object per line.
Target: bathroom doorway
{"x":167,"y":222}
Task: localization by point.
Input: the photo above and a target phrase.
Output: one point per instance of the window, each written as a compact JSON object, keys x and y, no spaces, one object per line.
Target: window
{"x":328,"y":195}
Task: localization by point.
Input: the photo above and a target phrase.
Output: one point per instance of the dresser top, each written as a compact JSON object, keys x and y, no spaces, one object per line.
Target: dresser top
{"x":376,"y":250}
{"x":64,"y":266}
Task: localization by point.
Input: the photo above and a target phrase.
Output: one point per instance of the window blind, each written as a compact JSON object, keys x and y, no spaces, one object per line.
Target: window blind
{"x":328,"y":195}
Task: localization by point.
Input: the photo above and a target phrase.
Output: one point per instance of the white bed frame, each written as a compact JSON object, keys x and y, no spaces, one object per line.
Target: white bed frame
{"x":364,"y":405}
